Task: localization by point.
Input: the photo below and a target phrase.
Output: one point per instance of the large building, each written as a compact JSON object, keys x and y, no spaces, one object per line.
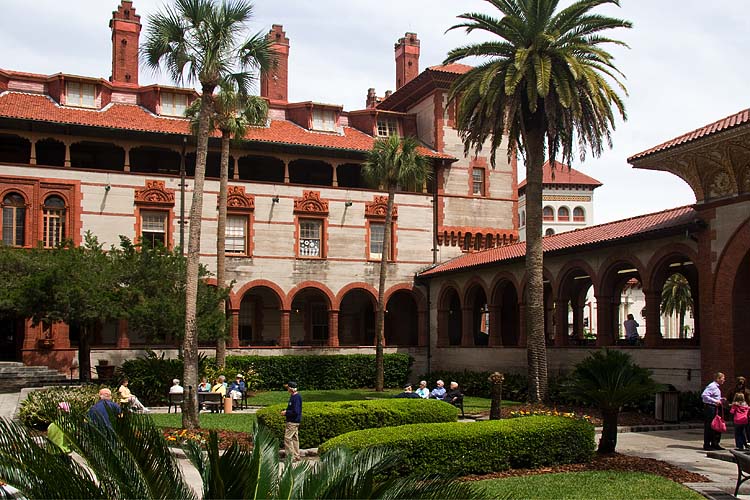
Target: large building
{"x":304,"y":232}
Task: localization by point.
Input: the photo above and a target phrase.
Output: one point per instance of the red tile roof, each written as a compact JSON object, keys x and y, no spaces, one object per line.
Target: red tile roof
{"x":610,"y":232}
{"x":710,"y":129}
{"x":564,"y":176}
{"x":131,"y":117}
{"x":459,"y":69}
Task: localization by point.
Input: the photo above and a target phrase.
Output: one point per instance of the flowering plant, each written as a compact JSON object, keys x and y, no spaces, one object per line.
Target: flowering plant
{"x":549,"y":413}
{"x":183,"y":436}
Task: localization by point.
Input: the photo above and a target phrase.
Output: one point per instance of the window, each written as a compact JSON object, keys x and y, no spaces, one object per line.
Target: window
{"x":324,"y":119}
{"x":548,"y":213}
{"x":549,"y":232}
{"x":578,"y":214}
{"x":80,"y":94}
{"x":477,"y":178}
{"x":14,"y":220}
{"x":154,"y":228}
{"x":173,"y":104}
{"x":563,"y":214}
{"x":523,"y":218}
{"x":310,"y":238}
{"x":387,"y":126}
{"x":53,"y":215}
{"x":235,"y":234}
{"x":377,"y":239}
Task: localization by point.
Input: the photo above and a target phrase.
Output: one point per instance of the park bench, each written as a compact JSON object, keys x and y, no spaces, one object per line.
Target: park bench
{"x":211,"y":401}
{"x":459,"y":403}
{"x":176,"y":401}
{"x":743,"y":468}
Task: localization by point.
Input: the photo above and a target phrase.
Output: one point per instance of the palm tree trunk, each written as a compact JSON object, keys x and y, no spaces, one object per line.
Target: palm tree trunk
{"x":380,"y":317}
{"x":682,"y":335}
{"x":608,"y":441}
{"x":190,"y":342}
{"x":221,"y":340}
{"x":536,"y":342}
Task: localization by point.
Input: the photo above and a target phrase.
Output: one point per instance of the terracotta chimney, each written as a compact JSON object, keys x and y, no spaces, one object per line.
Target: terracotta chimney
{"x":275,"y":84}
{"x":372,"y":98}
{"x":126,"y":29}
{"x":407,"y":59}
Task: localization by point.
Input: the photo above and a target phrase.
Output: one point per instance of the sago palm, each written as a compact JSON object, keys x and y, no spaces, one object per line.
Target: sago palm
{"x":198,"y":41}
{"x":544,"y":85}
{"x":609,"y":379}
{"x":391,"y":162}
{"x":677,"y":299}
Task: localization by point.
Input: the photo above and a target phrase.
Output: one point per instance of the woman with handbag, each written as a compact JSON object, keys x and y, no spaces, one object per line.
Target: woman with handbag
{"x":713,"y":413}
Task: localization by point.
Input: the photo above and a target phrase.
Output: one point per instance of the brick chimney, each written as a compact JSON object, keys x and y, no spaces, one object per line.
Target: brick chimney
{"x":275,"y":84}
{"x":126,"y":28}
{"x":372,"y":98}
{"x":407,"y":59}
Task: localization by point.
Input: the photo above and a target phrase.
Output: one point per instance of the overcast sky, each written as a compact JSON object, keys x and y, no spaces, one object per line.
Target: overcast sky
{"x":687,"y":65}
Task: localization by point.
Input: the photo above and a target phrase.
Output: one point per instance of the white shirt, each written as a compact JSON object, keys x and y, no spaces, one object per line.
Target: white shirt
{"x":176,"y":389}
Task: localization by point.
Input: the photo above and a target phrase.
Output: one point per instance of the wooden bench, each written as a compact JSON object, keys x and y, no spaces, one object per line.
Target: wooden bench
{"x":459,"y":403}
{"x":211,"y":401}
{"x":743,"y":468}
{"x":176,"y":401}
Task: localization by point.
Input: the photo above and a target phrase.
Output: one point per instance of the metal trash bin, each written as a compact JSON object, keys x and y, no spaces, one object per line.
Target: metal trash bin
{"x":667,"y":407}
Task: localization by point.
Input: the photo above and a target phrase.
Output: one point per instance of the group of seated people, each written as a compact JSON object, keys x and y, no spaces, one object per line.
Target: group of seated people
{"x":452,"y":396}
{"x":235,"y":390}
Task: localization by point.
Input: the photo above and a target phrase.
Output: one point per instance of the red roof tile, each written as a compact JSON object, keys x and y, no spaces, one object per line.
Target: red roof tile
{"x":131,"y":117}
{"x":612,"y":231}
{"x":564,"y":176}
{"x":459,"y":69}
{"x":710,"y":129}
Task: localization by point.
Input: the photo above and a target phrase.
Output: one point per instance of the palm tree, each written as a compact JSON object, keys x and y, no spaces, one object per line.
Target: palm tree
{"x":391,"y":162}
{"x":197,"y":42}
{"x":233,"y":113}
{"x":676,"y":298}
{"x":544,"y":86}
{"x":610,"y":379}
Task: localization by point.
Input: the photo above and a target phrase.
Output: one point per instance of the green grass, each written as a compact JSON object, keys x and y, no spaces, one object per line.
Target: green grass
{"x":237,"y":422}
{"x":605,"y":485}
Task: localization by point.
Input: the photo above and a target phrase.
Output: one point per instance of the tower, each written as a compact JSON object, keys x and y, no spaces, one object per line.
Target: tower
{"x":126,"y":29}
{"x":407,"y":59}
{"x":274,"y":84}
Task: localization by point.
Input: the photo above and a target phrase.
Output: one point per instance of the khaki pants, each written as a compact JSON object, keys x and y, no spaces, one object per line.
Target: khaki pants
{"x":291,"y":440}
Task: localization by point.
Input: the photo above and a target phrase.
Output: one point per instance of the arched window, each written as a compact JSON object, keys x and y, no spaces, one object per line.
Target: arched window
{"x":563,"y":214}
{"x":14,"y":220}
{"x":523,"y":218}
{"x":549,"y":232}
{"x":548,"y":213}
{"x":53,"y":231}
{"x":579,"y":215}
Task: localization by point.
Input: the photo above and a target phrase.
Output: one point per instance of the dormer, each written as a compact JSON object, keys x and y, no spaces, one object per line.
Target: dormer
{"x":167,"y":101}
{"x":76,"y":91}
{"x":316,"y":116}
{"x":379,"y":123}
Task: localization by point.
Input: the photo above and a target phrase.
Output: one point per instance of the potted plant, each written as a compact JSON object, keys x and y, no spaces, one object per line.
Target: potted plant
{"x":104,"y":370}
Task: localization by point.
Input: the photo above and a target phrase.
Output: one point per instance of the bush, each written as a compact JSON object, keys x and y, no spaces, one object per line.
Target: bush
{"x":352,"y":371}
{"x":323,"y":421}
{"x":479,"y":448}
{"x":39,"y":408}
{"x":515,"y":386}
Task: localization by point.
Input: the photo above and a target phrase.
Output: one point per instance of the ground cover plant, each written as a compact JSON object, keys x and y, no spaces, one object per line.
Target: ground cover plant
{"x":40,"y":408}
{"x":481,"y":447}
{"x":600,"y":485}
{"x":323,"y":421}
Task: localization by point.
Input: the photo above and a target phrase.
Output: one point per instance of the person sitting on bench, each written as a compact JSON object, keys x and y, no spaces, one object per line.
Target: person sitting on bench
{"x":407,"y":393}
{"x":454,"y":395}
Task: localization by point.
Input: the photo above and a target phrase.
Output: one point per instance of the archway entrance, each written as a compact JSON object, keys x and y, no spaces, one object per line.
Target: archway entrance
{"x":11,"y":338}
{"x":357,"y":318}
{"x":309,"y":322}
{"x":260,"y":317}
{"x":402,"y":319}
{"x":507,"y":319}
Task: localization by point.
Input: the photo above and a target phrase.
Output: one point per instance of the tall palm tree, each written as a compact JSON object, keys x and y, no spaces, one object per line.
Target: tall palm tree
{"x":609,"y":379}
{"x":197,"y":41}
{"x":546,"y":84}
{"x":677,"y":299}
{"x":391,"y":162}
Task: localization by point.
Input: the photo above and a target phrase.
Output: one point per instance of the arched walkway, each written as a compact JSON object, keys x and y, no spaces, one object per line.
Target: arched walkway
{"x":450,"y":321}
{"x":357,"y":317}
{"x":504,"y":314}
{"x":310,"y":321}
{"x":259,"y":319}
{"x":402,"y":319}
{"x":675,"y":276}
{"x":620,"y":293}
{"x":476,"y":317}
{"x":574,"y":306}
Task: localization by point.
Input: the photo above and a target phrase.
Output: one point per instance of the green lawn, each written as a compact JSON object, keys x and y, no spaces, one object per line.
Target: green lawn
{"x":600,"y":485}
{"x":238,"y":422}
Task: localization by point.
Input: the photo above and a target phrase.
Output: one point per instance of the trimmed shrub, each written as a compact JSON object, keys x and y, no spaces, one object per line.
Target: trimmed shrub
{"x":323,"y":421}
{"x":481,"y":447}
{"x":352,"y":371}
{"x":39,"y":408}
{"x":515,"y":386}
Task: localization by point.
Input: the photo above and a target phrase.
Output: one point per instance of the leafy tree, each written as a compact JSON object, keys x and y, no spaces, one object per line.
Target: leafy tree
{"x":543,"y":87}
{"x":197,"y":41}
{"x":677,"y":299}
{"x":391,"y":162}
{"x":609,"y":379}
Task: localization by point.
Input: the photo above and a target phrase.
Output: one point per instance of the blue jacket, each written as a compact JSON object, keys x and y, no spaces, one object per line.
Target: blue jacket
{"x":294,"y":408}
{"x":234,"y":386}
{"x":99,"y":413}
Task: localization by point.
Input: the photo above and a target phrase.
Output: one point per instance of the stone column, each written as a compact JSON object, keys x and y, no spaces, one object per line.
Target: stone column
{"x":653,"y":319}
{"x":234,"y":329}
{"x":605,"y":336}
{"x":67,"y":154}
{"x":285,"y":340}
{"x":126,"y":166}
{"x":335,"y":182}
{"x":496,"y":333}
{"x":333,"y":328}
{"x":123,"y":339}
{"x":235,"y":168}
{"x":561,"y":323}
{"x":467,"y":327}
{"x":32,"y":155}
{"x":286,"y":171}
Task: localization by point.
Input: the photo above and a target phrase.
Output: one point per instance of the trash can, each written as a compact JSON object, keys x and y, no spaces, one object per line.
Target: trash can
{"x":667,"y":407}
{"x":227,"y":405}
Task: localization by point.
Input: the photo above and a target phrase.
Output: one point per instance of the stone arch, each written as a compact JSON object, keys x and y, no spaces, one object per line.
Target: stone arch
{"x":450,"y":320}
{"x":313,"y":315}
{"x":403,"y":320}
{"x":505,"y":313}
{"x":357,"y":309}
{"x":475,"y":313}
{"x":615,"y":274}
{"x":332,"y":302}
{"x":259,"y":314}
{"x":236,"y":297}
{"x":549,"y":301}
{"x":574,"y":281}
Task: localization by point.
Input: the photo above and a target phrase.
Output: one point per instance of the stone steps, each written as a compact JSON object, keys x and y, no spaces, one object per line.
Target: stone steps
{"x":16,"y":376}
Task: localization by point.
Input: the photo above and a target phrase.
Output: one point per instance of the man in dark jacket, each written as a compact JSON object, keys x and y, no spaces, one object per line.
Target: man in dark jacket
{"x":293,"y":414}
{"x":454,"y":395}
{"x":407,"y":393}
{"x":100,"y":412}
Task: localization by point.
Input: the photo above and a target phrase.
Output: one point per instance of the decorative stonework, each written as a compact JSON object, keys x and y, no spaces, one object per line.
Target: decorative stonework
{"x":237,"y":200}
{"x":558,"y":197}
{"x":310,"y":204}
{"x":720,"y":186}
{"x":155,"y":194}
{"x":378,"y":208}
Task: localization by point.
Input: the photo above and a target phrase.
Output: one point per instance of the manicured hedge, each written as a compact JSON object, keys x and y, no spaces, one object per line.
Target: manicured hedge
{"x":323,"y":421}
{"x":481,"y":447}
{"x":39,"y":408}
{"x":352,"y":371}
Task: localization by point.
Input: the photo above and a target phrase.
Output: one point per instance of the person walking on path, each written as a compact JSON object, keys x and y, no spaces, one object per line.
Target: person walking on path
{"x":712,"y":402}
{"x":631,"y":330}
{"x":740,"y":411}
{"x":293,"y":414}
